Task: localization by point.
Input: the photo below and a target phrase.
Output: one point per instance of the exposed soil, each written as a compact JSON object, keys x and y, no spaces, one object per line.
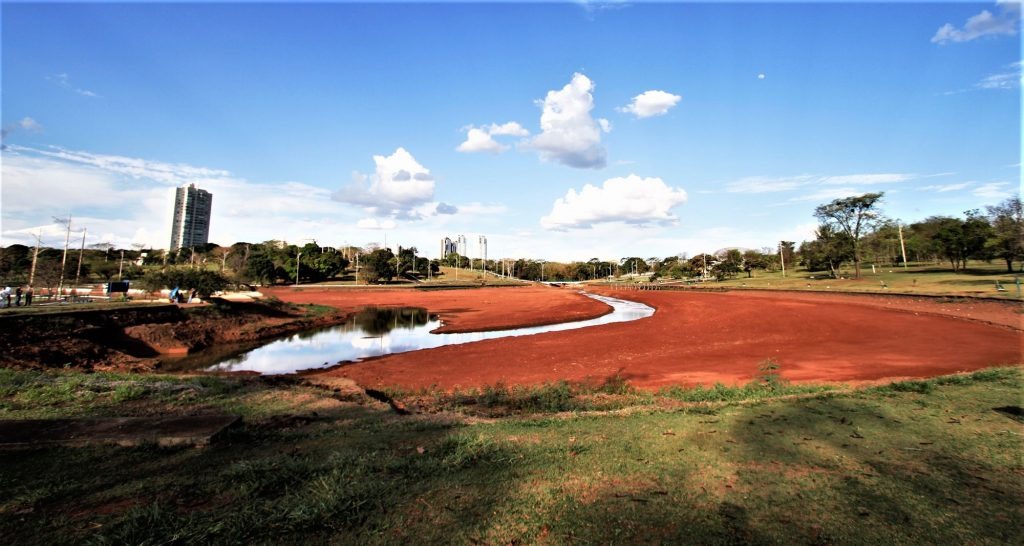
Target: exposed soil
{"x":132,"y":339}
{"x":700,"y":338}
{"x":463,"y":310}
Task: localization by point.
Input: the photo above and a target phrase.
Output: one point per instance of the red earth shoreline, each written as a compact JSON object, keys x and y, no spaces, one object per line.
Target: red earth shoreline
{"x":694,"y":338}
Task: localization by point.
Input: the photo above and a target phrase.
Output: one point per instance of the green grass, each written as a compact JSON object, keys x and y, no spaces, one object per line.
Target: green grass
{"x":978,"y":280}
{"x":919,"y":462}
{"x":39,"y":309}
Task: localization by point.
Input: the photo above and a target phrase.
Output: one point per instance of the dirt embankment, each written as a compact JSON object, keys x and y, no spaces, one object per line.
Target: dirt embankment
{"x":133,"y":338}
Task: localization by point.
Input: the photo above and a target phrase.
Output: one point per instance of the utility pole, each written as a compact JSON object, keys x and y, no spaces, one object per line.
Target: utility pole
{"x":120,"y":268}
{"x":903,"y":249}
{"x":81,"y":251}
{"x":298,"y":264}
{"x":35,"y":258}
{"x":64,"y":260}
{"x":782,"y":259}
{"x":357,"y":268}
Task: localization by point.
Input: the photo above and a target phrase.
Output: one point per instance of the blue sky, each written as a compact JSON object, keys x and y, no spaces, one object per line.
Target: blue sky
{"x":559,"y":131}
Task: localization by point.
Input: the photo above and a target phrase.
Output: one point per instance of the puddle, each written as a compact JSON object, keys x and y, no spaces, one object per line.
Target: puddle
{"x":382,"y":331}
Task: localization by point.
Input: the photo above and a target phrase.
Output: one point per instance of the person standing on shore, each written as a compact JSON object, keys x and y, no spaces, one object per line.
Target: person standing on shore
{"x":17,"y":297}
{"x":6,"y":296}
{"x":28,"y":296}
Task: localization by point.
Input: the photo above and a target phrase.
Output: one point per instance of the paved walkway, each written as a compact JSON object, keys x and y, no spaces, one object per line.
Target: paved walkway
{"x":195,"y":430}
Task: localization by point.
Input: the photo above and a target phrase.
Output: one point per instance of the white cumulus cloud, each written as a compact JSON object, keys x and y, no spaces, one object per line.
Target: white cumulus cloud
{"x":651,"y":103}
{"x":511,"y":129}
{"x":630,"y":199}
{"x":983,"y":24}
{"x":481,"y":139}
{"x":569,"y":134}
{"x":398,"y":185}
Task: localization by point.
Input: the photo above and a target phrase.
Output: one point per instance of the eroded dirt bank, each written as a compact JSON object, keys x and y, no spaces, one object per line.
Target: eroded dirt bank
{"x":133,"y":337}
{"x":703,"y":338}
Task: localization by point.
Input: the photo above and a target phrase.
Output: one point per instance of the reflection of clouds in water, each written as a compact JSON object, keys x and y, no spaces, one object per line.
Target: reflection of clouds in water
{"x":369,"y":343}
{"x":367,"y":336}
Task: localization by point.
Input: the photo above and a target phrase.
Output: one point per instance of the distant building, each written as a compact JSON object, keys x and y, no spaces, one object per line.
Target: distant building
{"x":191,"y":225}
{"x":447,"y":247}
{"x":483,"y":247}
{"x":461,"y":246}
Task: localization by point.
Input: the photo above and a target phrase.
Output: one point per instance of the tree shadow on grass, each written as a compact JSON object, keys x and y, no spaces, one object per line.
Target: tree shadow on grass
{"x":886,"y":474}
{"x":351,"y":475}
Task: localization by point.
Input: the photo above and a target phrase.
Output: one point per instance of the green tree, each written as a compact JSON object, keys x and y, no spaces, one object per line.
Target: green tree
{"x":828,"y":251}
{"x":852,"y":216}
{"x":960,"y":240}
{"x":203,"y":281}
{"x":754,"y":259}
{"x":634,"y":265}
{"x":378,"y":266}
{"x":1007,"y":240}
{"x":260,"y":268}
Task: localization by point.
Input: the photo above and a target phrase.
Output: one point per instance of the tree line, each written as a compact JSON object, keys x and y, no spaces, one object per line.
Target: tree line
{"x":851,"y":230}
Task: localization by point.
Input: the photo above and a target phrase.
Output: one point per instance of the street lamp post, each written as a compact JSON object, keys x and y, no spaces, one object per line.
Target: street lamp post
{"x":298,"y":264}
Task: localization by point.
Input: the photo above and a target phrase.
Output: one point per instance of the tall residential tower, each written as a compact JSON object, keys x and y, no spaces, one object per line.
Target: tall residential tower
{"x":191,"y":226}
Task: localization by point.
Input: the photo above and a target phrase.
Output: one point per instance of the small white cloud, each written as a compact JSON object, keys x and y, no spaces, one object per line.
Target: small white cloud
{"x":606,"y":125}
{"x":943,"y":188}
{"x":510,"y":128}
{"x":24,"y":124}
{"x":375,"y":223}
{"x":29,"y":124}
{"x":761,"y":76}
{"x":651,"y":103}
{"x":64,"y":80}
{"x":631,"y":199}
{"x":887,"y":178}
{"x":764,"y":184}
{"x":569,"y":135}
{"x":993,"y":190}
{"x":481,"y":139}
{"x":982,"y":24}
{"x":1010,"y":78}
{"x":396,"y":188}
{"x":828,"y":194}
{"x":445,"y":208}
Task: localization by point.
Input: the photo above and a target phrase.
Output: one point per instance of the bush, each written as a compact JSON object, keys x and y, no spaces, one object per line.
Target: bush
{"x":205,"y":282}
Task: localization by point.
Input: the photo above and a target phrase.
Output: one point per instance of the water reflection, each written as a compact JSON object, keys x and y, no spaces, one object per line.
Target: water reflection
{"x":380,"y":331}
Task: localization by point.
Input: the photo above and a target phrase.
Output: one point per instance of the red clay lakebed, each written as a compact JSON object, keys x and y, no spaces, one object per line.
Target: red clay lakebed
{"x":379,"y":331}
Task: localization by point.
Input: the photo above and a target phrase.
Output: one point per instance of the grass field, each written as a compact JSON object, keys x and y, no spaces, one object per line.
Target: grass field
{"x":937,"y":461}
{"x":978,"y":280}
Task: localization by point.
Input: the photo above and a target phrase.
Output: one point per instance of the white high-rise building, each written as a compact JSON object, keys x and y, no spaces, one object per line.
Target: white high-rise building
{"x":191,"y":225}
{"x":482,"y":240}
{"x":461,"y":246}
{"x":447,"y":247}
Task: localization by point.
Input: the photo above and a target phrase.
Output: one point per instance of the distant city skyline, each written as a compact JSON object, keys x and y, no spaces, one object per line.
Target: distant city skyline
{"x":561,"y":131}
